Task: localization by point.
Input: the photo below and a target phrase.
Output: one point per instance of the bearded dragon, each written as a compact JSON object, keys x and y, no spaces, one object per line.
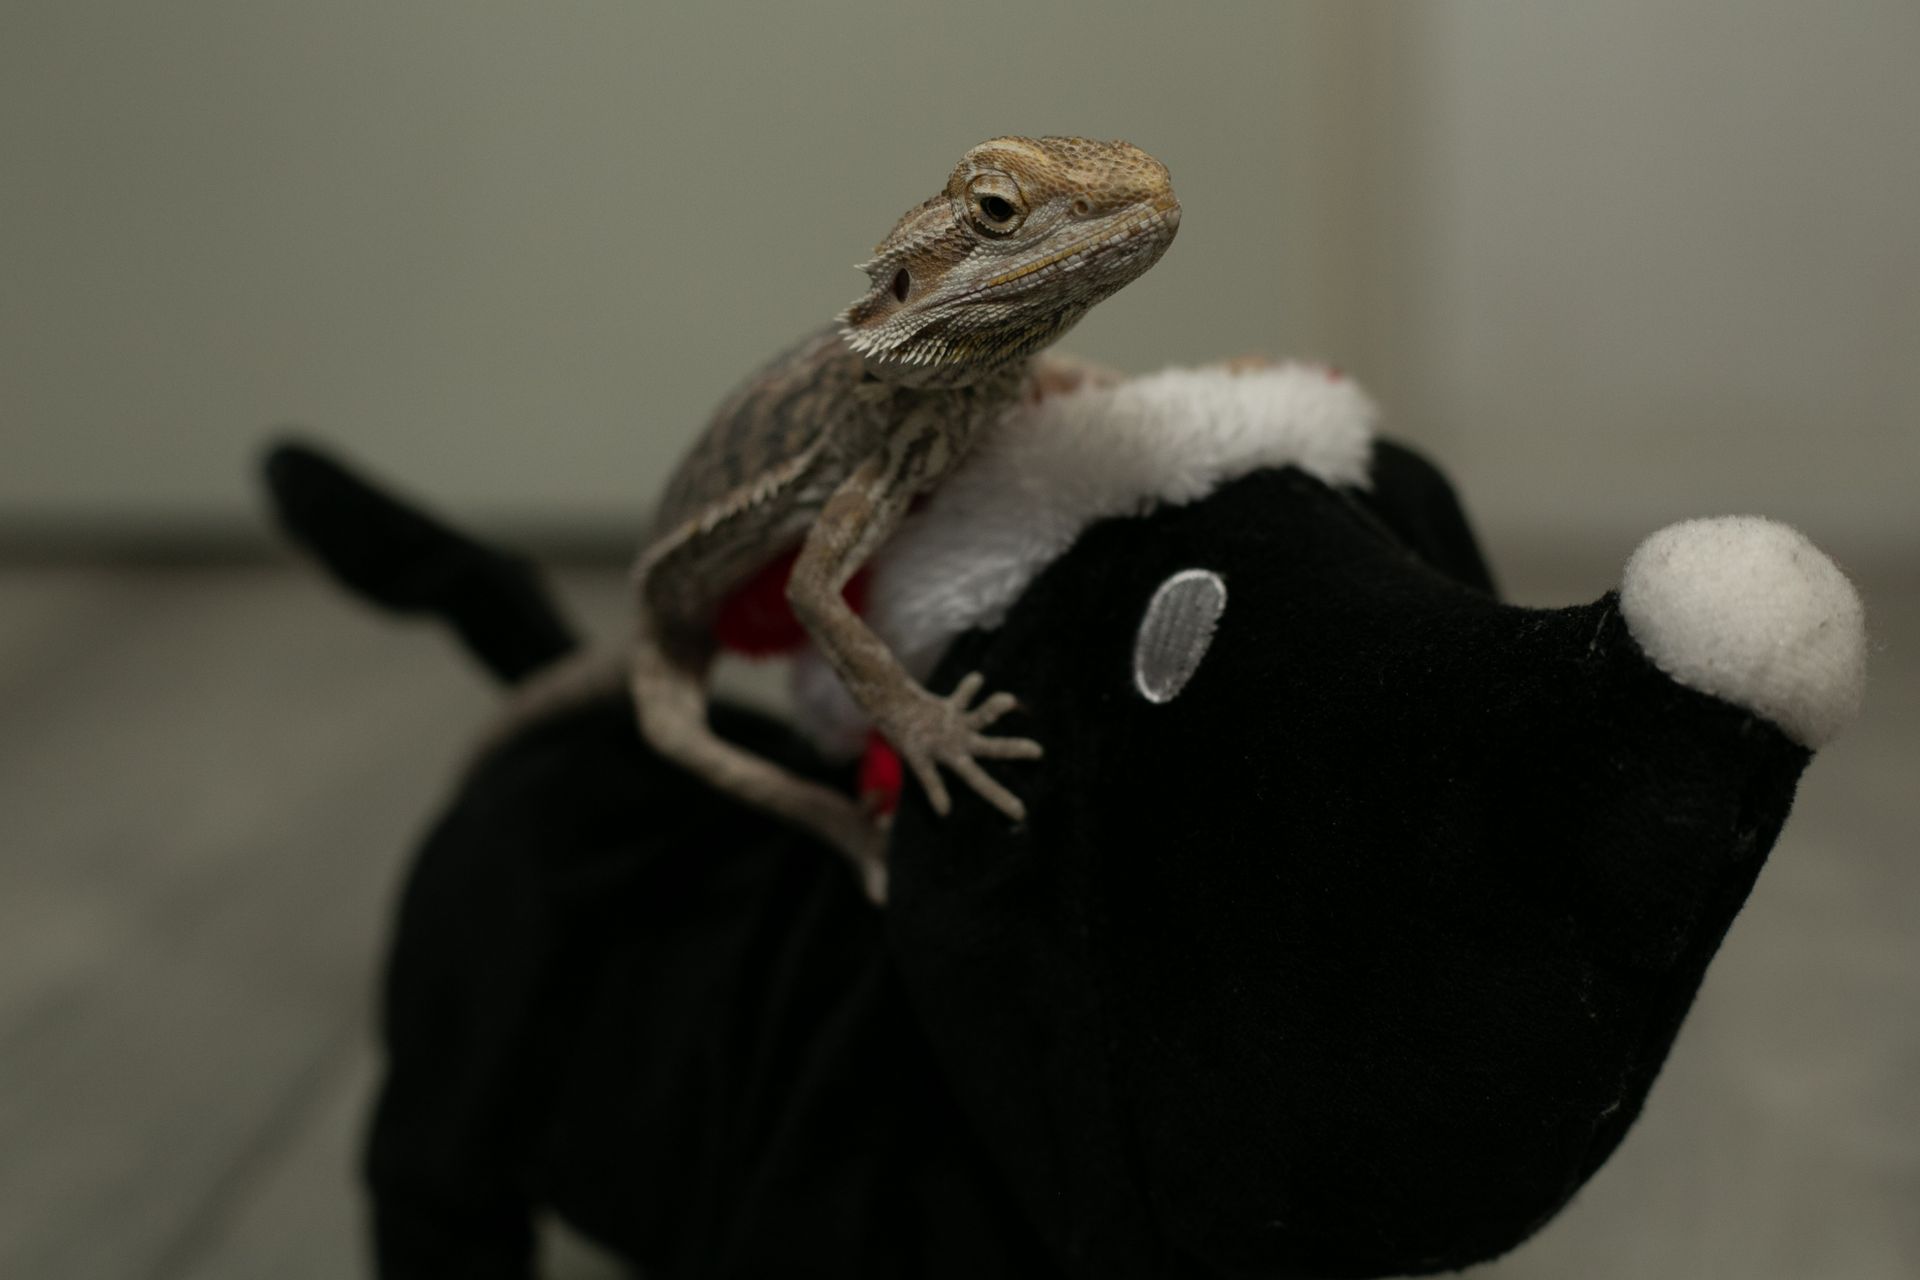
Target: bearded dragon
{"x":827,"y":446}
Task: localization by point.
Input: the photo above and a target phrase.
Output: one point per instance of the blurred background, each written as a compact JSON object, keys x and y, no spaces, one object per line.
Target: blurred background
{"x":1611,"y":265}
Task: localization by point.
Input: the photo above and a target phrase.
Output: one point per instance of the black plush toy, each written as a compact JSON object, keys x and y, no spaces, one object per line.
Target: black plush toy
{"x":1354,"y":916}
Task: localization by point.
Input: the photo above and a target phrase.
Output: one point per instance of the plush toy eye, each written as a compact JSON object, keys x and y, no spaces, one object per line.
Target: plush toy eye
{"x":1176,"y":631}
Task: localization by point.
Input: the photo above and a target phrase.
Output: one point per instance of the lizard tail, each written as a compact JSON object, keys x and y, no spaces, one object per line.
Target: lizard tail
{"x":395,"y":555}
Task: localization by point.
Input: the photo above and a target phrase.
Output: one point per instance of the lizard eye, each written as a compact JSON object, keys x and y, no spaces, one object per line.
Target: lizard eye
{"x":996,"y":206}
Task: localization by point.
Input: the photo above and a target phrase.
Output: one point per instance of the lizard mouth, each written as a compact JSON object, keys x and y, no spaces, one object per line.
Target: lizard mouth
{"x":1155,"y":226}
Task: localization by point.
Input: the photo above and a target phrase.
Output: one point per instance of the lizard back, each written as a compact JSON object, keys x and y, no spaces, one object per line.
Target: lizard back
{"x":747,"y":490}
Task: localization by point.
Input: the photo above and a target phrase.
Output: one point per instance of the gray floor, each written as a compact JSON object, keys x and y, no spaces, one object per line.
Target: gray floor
{"x":207,"y":781}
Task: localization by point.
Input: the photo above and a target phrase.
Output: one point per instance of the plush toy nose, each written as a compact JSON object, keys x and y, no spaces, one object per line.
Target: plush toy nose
{"x":1749,"y":611}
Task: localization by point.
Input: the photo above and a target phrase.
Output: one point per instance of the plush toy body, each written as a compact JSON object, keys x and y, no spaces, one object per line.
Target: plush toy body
{"x":1353,"y":918}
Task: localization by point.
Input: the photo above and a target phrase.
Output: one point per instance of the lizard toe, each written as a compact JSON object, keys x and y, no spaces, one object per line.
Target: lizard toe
{"x":1005,"y":748}
{"x":992,"y":709}
{"x":964,"y":692}
{"x":992,"y":792}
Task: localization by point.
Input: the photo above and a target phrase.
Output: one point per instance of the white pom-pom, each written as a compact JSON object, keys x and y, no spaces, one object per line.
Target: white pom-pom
{"x":1750,"y":611}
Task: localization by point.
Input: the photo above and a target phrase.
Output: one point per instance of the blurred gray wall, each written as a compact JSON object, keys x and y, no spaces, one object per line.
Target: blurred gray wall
{"x":514,"y":253}
{"x":1658,"y":258}
{"x":1614,"y":263}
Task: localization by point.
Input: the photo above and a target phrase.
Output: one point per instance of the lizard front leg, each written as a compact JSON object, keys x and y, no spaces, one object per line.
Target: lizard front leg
{"x":928,"y":731}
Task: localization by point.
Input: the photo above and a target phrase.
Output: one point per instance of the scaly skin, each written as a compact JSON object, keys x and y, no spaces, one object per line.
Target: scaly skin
{"x":827,"y":447}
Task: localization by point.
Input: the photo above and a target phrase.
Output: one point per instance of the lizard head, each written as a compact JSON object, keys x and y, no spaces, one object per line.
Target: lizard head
{"x":1028,"y":234}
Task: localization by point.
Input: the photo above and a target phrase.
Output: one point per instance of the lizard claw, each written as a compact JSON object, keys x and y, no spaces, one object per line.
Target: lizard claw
{"x":946,"y":731}
{"x":930,"y":780}
{"x":873,"y":880}
{"x":862,"y":840}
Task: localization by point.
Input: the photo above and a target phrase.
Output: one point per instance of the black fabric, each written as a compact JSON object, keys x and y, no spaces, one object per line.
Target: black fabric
{"x":402,"y":559}
{"x":615,"y":994}
{"x":1410,"y":496}
{"x":1356,"y":958}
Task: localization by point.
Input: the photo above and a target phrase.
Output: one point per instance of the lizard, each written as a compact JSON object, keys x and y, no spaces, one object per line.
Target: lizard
{"x":828,"y":446}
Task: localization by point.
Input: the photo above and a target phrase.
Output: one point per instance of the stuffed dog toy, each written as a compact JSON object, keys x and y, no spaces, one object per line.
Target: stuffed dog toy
{"x":1353,"y":916}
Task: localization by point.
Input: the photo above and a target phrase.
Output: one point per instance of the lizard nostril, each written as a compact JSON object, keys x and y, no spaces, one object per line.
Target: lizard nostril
{"x":1082,"y":206}
{"x":901,"y":283}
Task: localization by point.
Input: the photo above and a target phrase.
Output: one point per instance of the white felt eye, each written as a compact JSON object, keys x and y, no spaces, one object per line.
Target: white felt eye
{"x":1176,"y":631}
